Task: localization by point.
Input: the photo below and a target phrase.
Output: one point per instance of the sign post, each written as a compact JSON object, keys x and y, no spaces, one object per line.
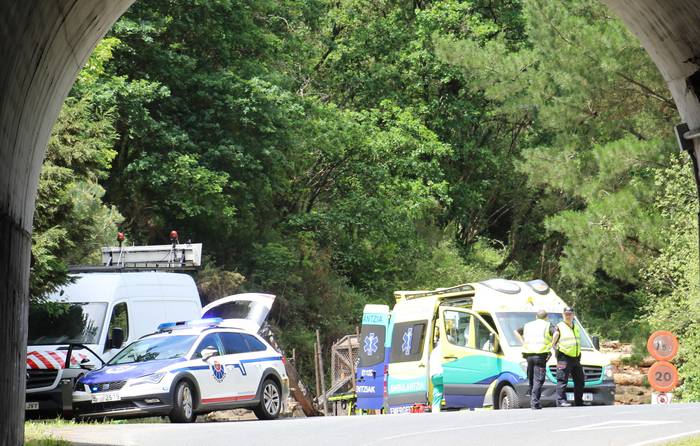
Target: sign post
{"x":663,"y":376}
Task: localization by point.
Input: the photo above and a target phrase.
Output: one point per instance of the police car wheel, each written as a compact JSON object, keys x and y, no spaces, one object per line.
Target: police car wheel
{"x":183,"y":407}
{"x":508,"y":399}
{"x":270,"y":401}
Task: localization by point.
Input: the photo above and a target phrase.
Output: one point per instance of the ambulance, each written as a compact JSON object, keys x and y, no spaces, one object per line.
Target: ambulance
{"x":483,"y":366}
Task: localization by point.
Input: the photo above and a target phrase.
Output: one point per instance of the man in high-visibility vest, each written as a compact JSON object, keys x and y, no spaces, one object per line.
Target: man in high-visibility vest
{"x":536,"y":337}
{"x":567,"y":343}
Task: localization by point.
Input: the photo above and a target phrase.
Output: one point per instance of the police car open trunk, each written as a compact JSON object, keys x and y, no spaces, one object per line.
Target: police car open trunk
{"x":247,"y":311}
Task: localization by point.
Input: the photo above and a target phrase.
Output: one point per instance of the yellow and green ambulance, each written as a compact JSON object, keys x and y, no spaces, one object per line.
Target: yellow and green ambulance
{"x":482,"y":357}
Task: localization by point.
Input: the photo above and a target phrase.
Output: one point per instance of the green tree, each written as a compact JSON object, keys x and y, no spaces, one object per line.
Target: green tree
{"x":597,"y":123}
{"x":71,"y":222}
{"x":671,"y":280}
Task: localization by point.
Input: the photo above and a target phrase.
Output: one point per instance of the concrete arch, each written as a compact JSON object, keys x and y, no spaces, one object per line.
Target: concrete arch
{"x":43,"y":44}
{"x":670,"y":32}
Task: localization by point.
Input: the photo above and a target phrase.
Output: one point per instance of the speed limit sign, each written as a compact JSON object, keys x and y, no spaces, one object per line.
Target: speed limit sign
{"x":662,"y":345}
{"x":663,"y":376}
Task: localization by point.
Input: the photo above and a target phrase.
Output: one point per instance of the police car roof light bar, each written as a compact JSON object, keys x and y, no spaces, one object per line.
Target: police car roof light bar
{"x":209,"y":322}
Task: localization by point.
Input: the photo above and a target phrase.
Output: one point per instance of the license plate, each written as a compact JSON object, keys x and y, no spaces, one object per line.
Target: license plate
{"x":586,"y":396}
{"x":400,"y":409}
{"x":105,"y":397}
{"x":31,"y":405}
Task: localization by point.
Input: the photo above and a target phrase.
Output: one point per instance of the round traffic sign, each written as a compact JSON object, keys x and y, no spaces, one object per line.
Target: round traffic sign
{"x":662,"y":345}
{"x":663,"y":376}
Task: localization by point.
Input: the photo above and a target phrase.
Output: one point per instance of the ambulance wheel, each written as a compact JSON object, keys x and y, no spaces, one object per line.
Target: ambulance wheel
{"x":270,"y":401}
{"x":508,"y":399}
{"x":183,"y":404}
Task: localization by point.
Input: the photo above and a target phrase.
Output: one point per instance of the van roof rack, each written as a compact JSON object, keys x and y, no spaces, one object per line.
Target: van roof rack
{"x":156,"y":267}
{"x":176,"y":255}
{"x":459,"y":289}
{"x":173,"y":257}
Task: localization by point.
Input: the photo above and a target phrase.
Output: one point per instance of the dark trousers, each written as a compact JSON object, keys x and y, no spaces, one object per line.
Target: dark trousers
{"x":536,"y":372}
{"x":566,"y":366}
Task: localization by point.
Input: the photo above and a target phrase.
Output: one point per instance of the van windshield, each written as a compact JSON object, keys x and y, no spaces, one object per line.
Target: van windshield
{"x":54,"y":323}
{"x":153,"y":349}
{"x":511,"y":322}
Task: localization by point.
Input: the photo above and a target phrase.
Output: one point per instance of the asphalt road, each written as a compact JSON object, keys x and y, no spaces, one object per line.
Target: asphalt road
{"x":612,"y":425}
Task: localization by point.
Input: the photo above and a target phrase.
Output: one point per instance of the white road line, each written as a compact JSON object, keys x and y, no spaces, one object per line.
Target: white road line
{"x":450,"y":429}
{"x":665,"y":439}
{"x":617,"y":424}
{"x":447,"y":429}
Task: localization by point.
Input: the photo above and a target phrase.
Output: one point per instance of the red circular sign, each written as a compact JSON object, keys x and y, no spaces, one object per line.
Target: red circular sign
{"x":662,"y":398}
{"x":662,"y":345}
{"x":663,"y":376}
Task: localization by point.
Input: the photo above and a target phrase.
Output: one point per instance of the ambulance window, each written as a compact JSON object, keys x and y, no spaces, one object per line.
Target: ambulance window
{"x":407,"y":341}
{"x":233,"y":343}
{"x":254,"y":344}
{"x":457,"y":327}
{"x":372,"y":345}
{"x":483,"y":341}
{"x":210,"y":341}
{"x":120,"y":319}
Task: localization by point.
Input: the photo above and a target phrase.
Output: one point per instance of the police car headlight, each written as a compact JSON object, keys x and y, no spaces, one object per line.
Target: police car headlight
{"x":608,"y":372}
{"x":153,"y":378}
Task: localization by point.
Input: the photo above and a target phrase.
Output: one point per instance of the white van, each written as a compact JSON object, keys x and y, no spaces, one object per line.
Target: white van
{"x":102,"y":311}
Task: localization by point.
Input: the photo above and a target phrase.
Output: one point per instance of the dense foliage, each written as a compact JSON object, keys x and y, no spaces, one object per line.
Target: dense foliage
{"x":332,"y":152}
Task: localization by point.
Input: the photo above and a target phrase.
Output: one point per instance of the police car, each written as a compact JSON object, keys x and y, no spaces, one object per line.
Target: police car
{"x":186,"y":369}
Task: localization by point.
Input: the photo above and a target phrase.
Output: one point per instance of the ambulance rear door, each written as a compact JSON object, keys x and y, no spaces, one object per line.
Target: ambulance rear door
{"x":371,"y":371}
{"x":411,"y":328}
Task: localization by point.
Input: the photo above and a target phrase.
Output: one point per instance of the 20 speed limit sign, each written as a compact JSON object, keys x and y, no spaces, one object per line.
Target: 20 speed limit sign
{"x":663,"y":376}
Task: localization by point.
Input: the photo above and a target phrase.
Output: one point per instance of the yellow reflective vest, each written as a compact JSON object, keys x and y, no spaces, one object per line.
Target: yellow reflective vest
{"x":569,"y":339}
{"x":536,"y":336}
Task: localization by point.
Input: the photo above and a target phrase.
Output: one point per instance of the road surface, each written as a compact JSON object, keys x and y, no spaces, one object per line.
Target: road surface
{"x":611,"y":425}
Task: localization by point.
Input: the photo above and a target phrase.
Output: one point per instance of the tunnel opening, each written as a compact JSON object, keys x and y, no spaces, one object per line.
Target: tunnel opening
{"x":44,"y":44}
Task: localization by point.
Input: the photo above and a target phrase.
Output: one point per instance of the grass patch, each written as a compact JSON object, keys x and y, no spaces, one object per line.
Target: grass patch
{"x":37,"y":433}
{"x":40,"y":432}
{"x":690,"y":441}
{"x":149,"y":420}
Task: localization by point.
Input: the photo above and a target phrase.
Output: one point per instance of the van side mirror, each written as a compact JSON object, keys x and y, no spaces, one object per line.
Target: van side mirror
{"x":87,"y":364}
{"x":209,"y":352}
{"x":596,"y":342}
{"x":117,"y":338}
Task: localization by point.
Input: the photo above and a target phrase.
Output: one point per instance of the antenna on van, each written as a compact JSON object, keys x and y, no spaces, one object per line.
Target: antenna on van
{"x":174,"y":241}
{"x":120,"y":240}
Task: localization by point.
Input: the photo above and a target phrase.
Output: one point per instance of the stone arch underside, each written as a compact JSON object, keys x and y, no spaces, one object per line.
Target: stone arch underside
{"x":43,"y":44}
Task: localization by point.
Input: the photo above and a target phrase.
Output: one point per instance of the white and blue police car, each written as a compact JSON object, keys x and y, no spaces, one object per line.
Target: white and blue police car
{"x":186,"y":369}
